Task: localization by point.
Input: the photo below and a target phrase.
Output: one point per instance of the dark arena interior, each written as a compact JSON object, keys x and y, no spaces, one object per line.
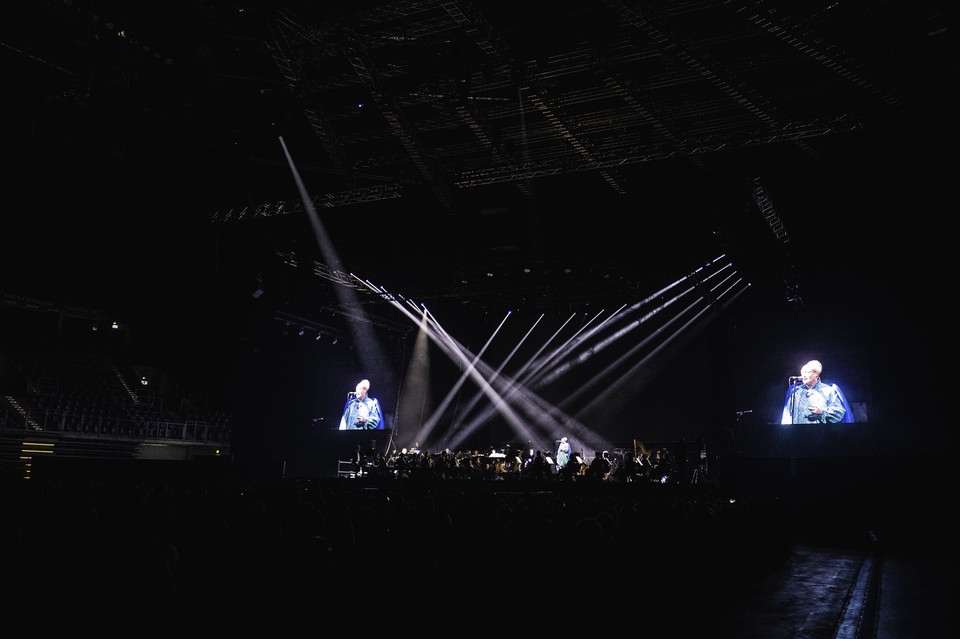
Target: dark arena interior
{"x":582,"y":252}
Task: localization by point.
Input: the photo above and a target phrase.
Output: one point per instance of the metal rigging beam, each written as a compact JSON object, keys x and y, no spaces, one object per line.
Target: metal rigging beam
{"x":365,"y":69}
{"x":685,"y":148}
{"x":328,"y":200}
{"x":699,"y":61}
{"x":765,"y":204}
{"x":564,"y":131}
{"x":286,"y":60}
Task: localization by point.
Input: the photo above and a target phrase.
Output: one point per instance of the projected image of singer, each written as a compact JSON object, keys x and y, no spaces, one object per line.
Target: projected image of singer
{"x":361,"y":412}
{"x":812,"y":401}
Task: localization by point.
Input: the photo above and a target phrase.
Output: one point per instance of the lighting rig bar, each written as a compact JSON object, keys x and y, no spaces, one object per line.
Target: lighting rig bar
{"x":323,"y":271}
{"x":316,"y":329}
{"x":769,"y":213}
{"x":329,"y":200}
{"x":690,"y":147}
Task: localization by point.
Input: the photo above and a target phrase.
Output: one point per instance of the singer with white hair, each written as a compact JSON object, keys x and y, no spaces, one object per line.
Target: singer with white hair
{"x":812,"y":401}
{"x":361,"y":412}
{"x":563,"y":453}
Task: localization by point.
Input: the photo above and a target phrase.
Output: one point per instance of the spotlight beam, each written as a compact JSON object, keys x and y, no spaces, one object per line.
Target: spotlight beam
{"x":535,"y":364}
{"x":458,"y":355}
{"x":642,"y":303}
{"x":605,"y":398}
{"x":427,"y":428}
{"x":540,"y":412}
{"x":508,"y":384}
{"x":637,"y":348}
{"x":515,"y":386}
{"x":487,"y":377}
{"x":538,"y":365}
{"x":495,"y":374}
{"x":609,"y":341}
{"x":416,"y":383}
{"x":709,"y":306}
{"x":363,"y":336}
{"x":571,"y":345}
{"x":512,"y":395}
{"x":544,"y":415}
{"x":573,"y":426}
{"x":560,"y":370}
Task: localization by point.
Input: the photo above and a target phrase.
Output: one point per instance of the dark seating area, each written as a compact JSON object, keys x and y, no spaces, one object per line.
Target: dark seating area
{"x":69,"y":387}
{"x":676,"y":560}
{"x":442,"y":550}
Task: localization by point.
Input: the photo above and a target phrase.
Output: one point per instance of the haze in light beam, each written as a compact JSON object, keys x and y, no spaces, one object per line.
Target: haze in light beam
{"x":364,"y":339}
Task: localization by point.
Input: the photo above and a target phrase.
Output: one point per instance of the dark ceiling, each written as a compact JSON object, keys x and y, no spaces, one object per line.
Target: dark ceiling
{"x":622,"y":143}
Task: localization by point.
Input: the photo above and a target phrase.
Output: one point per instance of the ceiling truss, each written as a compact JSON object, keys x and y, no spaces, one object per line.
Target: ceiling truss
{"x":440,"y":93}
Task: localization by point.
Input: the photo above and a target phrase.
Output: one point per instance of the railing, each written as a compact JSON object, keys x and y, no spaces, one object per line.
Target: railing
{"x":110,"y":427}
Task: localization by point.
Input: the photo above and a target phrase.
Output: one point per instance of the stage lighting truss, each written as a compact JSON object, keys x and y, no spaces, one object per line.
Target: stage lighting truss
{"x":321,"y":270}
{"x":304,"y":327}
{"x":543,"y":285}
{"x":765,"y":204}
{"x":328,"y":200}
{"x":594,"y":106}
